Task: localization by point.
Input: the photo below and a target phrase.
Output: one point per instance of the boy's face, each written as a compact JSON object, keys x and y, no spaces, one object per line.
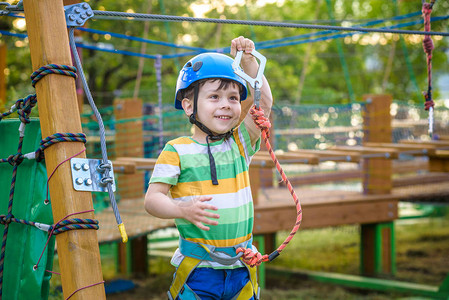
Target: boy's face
{"x":218,"y":109}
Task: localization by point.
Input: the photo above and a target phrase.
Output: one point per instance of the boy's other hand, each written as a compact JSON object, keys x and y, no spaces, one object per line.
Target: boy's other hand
{"x":195,"y":211}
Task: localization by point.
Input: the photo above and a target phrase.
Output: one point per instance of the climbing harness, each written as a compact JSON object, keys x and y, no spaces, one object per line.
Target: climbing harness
{"x":195,"y":253}
{"x":263,"y":123}
{"x":428,"y":48}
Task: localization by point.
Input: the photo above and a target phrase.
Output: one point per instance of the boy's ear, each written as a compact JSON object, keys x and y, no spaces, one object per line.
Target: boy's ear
{"x":187,"y":105}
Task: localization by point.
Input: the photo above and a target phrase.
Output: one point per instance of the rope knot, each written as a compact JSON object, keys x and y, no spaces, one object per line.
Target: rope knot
{"x":15,"y":159}
{"x":5,"y":220}
{"x":24,"y":107}
{"x":262,"y":122}
{"x":429,"y":102}
{"x":251,"y":258}
{"x":428,"y":45}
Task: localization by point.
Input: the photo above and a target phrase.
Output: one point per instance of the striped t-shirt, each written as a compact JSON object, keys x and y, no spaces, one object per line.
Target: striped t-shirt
{"x":184,"y":164}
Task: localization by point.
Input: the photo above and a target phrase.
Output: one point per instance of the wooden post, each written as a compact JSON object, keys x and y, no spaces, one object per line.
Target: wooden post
{"x":3,"y":66}
{"x":78,"y":250}
{"x":129,"y":143}
{"x":377,"y":239}
{"x":377,"y":129}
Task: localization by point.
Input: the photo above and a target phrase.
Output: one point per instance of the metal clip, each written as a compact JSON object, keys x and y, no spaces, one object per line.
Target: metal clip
{"x":255,"y":83}
{"x":77,"y":14}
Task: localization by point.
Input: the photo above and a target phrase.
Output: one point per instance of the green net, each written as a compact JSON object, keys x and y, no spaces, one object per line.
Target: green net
{"x":25,"y":244}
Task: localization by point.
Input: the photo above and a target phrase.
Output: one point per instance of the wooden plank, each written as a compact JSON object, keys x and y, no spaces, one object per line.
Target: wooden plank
{"x":289,"y":157}
{"x":332,"y":155}
{"x":421,"y":179}
{"x":78,"y":251}
{"x":437,"y":144}
{"x":406,"y":148}
{"x":321,"y":209}
{"x":389,"y":153}
{"x":141,"y":163}
{"x":124,"y":167}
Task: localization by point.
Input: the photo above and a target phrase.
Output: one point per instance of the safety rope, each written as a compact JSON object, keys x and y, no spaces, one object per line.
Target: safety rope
{"x":428,"y":48}
{"x":249,"y":257}
{"x":105,"y":165}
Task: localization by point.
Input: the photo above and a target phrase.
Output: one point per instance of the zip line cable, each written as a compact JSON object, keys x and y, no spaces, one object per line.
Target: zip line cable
{"x":169,"y":18}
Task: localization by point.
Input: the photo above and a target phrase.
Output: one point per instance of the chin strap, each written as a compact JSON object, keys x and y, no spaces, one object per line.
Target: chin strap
{"x":210,"y":135}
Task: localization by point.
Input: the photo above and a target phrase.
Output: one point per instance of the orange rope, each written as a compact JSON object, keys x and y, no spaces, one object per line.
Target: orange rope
{"x":249,"y":257}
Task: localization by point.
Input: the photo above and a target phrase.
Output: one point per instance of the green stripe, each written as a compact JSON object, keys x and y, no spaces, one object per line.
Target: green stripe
{"x":167,"y":180}
{"x":218,"y":232}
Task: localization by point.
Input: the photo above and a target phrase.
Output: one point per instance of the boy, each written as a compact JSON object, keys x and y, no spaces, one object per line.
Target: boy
{"x":207,"y":178}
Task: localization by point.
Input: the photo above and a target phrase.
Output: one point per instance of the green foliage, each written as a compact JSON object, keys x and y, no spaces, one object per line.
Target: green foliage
{"x":377,"y":63}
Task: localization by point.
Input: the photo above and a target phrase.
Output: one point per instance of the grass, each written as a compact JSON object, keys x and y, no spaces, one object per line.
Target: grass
{"x":422,"y":256}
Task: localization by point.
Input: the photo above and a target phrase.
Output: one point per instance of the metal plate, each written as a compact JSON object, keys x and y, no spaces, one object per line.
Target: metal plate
{"x":86,"y":175}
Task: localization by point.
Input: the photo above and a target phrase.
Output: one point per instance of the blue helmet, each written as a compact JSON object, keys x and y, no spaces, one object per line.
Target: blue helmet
{"x":204,"y":66}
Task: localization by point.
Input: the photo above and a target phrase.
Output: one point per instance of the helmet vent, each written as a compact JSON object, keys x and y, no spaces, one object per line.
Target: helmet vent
{"x":188,"y":65}
{"x":197,"y":66}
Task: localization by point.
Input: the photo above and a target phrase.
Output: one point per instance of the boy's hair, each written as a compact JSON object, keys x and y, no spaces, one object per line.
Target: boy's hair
{"x":224,"y":84}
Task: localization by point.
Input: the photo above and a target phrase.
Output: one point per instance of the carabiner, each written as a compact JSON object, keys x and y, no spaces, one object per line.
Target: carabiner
{"x":255,"y":83}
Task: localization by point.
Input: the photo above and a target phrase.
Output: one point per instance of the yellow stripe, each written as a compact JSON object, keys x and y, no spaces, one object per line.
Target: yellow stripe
{"x":168,"y":158}
{"x":239,"y":142}
{"x":222,"y":243}
{"x":182,"y":140}
{"x":229,"y":185}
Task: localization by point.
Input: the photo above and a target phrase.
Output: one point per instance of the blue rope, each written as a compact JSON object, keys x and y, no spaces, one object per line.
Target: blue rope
{"x":138,"y":39}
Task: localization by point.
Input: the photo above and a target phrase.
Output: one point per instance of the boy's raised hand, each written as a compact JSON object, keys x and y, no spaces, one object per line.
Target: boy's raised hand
{"x":195,"y":211}
{"x":243,"y":44}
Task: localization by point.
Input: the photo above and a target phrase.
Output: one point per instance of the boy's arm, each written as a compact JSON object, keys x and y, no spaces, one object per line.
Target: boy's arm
{"x":250,"y":66}
{"x":158,"y":204}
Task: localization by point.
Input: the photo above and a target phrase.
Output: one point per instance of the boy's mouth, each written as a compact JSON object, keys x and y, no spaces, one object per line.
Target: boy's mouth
{"x":223,"y":117}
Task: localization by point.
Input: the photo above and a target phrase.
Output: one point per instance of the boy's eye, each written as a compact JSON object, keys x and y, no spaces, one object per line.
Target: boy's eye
{"x":234,"y":98}
{"x":213,"y":96}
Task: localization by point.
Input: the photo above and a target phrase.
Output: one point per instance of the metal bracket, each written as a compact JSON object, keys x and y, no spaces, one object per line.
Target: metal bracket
{"x":89,"y":175}
{"x":77,"y":14}
{"x":254,"y":82}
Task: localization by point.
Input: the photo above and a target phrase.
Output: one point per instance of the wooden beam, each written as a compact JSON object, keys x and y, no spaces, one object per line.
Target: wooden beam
{"x":437,"y":144}
{"x":332,"y":155}
{"x":413,"y":149}
{"x":78,"y":250}
{"x":381,"y":151}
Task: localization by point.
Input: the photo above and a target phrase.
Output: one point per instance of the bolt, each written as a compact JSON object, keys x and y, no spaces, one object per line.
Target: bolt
{"x":89,"y":13}
{"x":79,"y":22}
{"x":72,"y":17}
{"x":83,"y":16}
{"x":77,"y":166}
{"x":85,"y":167}
{"x":79,"y":181}
{"x":88,"y":182}
{"x":77,"y":10}
{"x":85,"y":6}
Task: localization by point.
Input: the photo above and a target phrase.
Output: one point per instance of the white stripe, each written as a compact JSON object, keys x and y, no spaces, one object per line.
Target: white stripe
{"x":223,"y":201}
{"x":165,"y":170}
{"x":194,"y":148}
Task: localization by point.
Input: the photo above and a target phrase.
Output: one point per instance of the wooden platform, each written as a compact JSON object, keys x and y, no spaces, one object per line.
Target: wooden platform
{"x":276,"y":209}
{"x":137,"y":221}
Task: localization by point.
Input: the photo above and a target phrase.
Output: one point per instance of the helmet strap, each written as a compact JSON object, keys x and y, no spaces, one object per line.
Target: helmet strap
{"x":210,"y":134}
